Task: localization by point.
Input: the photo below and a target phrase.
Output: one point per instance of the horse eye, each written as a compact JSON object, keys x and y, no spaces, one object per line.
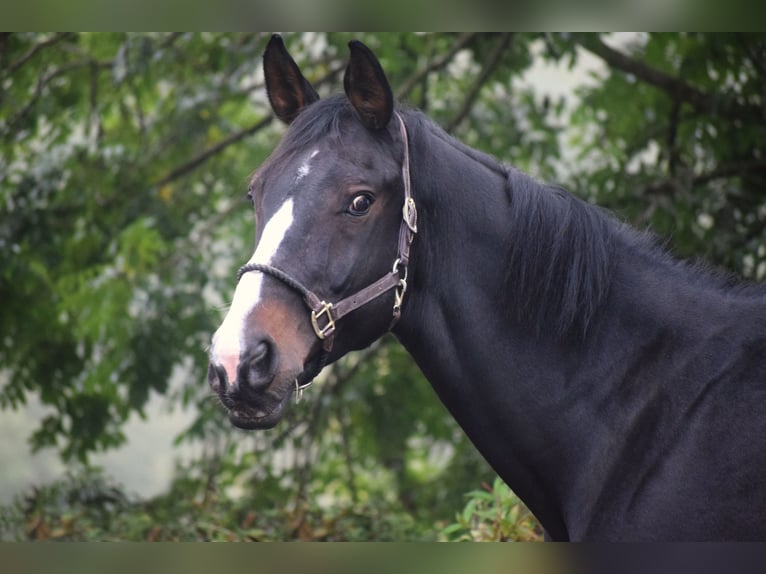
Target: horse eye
{"x":360,"y":204}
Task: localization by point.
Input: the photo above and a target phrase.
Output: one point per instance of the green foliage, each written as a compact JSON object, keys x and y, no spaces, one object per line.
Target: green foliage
{"x":86,"y":506}
{"x":83,"y":506}
{"x":493,"y":514}
{"x":690,"y":167}
{"x":123,"y":159}
{"x":100,"y":250}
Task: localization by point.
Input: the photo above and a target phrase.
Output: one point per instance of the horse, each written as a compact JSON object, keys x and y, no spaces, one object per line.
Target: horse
{"x":619,"y":391}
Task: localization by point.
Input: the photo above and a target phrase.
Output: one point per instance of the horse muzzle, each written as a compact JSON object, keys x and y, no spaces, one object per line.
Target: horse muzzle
{"x":256,"y":358}
{"x":251,"y":395}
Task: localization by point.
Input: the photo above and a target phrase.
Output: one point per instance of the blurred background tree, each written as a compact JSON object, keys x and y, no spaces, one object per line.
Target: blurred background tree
{"x":124,"y":165}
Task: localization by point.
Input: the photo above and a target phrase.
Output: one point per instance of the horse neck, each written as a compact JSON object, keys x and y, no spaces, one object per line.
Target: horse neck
{"x":484,"y":370}
{"x":532,"y":403}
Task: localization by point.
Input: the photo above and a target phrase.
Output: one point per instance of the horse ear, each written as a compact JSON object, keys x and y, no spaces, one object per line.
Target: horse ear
{"x":367,"y":87}
{"x":289,"y":92}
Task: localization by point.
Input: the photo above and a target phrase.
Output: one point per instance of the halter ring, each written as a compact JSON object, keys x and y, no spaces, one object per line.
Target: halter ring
{"x":299,"y":390}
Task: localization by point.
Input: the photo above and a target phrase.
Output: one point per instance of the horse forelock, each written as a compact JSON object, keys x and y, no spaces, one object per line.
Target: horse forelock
{"x":328,"y":120}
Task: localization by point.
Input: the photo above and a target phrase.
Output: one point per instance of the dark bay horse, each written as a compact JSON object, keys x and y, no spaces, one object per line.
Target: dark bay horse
{"x":619,"y":392}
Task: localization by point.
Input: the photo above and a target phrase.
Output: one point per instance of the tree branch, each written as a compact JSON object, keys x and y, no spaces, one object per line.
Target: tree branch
{"x":757,"y":59}
{"x":716,"y":104}
{"x":206,"y":154}
{"x":347,"y":456}
{"x":733,"y":169}
{"x":436,"y":64}
{"x":489,"y":66}
{"x":43,"y":81}
{"x":727,"y":170}
{"x":56,"y":38}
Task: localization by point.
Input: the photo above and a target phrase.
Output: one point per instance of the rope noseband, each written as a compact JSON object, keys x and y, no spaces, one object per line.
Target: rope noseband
{"x":324,"y":315}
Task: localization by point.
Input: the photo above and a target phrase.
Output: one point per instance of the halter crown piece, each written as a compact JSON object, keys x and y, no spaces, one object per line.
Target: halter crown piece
{"x":325,"y":315}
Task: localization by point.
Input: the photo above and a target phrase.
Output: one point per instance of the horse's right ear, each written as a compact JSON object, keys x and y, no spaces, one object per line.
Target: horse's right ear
{"x":289,"y":92}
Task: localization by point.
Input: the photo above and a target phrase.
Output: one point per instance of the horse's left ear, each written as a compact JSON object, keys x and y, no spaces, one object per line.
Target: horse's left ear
{"x":367,"y":87}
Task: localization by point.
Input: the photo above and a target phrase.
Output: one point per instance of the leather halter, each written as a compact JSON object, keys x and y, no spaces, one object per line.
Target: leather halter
{"x":324,"y":315}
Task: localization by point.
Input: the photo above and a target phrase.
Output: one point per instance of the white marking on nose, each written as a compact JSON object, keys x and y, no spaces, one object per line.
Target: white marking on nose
{"x":229,"y":339}
{"x":305,"y":168}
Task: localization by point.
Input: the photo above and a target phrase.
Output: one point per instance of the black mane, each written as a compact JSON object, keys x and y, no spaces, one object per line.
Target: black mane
{"x":560,"y":256}
{"x":560,"y":250}
{"x":563,"y":251}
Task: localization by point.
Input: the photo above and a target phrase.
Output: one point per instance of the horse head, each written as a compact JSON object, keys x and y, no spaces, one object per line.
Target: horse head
{"x":332,"y":241}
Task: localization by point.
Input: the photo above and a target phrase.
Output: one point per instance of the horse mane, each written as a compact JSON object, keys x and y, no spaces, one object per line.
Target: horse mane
{"x":560,"y":250}
{"x":560,"y":256}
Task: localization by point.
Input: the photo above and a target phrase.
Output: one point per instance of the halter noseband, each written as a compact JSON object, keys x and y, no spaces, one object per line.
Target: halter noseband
{"x":324,"y":315}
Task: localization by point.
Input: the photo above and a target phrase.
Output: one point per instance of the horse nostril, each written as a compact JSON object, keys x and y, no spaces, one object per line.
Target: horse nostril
{"x":261,"y":363}
{"x":216,"y":377}
{"x":260,"y":352}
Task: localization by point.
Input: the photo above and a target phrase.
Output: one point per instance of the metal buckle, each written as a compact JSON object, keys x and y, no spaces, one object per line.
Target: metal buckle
{"x":410,"y":214}
{"x":329,"y":328}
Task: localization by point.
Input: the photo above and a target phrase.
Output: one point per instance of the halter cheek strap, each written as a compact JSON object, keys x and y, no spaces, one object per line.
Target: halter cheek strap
{"x":324,"y":315}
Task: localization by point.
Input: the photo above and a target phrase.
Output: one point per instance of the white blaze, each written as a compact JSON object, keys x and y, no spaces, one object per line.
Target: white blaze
{"x":230,"y":336}
{"x":303,"y":171}
{"x":305,"y":168}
